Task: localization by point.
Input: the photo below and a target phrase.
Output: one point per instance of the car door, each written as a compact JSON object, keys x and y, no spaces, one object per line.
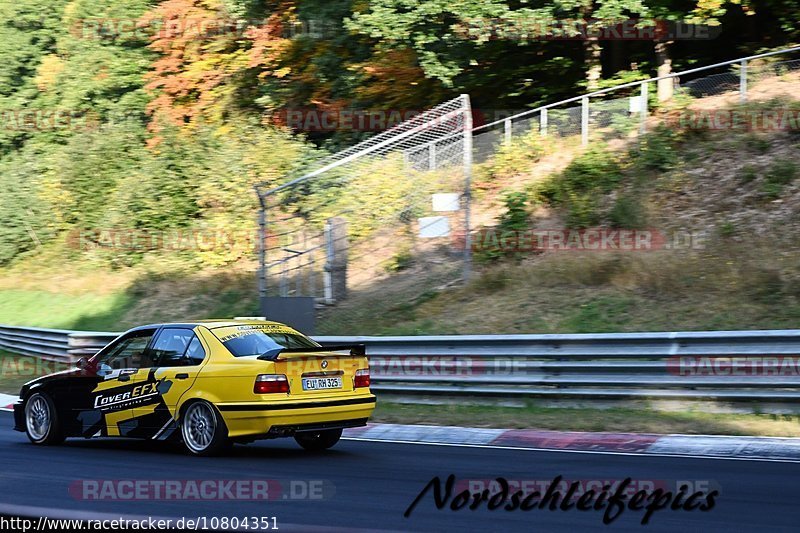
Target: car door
{"x":178,"y":355}
{"x":107,"y":392}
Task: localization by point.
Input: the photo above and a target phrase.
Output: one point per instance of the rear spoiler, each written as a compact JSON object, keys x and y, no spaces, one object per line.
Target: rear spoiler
{"x":355,"y":349}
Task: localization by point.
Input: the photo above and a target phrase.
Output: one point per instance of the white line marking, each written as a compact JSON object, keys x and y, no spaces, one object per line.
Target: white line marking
{"x":590,"y":452}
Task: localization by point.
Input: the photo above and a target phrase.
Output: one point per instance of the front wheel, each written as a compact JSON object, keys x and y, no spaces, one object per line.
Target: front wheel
{"x":41,"y":420}
{"x":318,"y":440}
{"x":203,"y":430}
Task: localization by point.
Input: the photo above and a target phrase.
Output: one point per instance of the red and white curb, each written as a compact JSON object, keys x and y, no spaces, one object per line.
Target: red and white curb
{"x":7,"y":402}
{"x":770,"y":448}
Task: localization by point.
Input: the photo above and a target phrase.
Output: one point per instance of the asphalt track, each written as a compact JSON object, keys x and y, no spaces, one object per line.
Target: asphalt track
{"x":375,"y":482}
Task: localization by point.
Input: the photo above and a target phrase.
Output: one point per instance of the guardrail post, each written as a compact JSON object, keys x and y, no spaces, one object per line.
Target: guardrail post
{"x":585,"y":121}
{"x":743,"y":81}
{"x":507,"y":130}
{"x":543,"y":122}
{"x":643,"y":108}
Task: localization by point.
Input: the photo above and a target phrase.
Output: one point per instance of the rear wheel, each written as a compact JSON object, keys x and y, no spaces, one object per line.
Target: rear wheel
{"x":41,"y":420}
{"x":318,"y":440}
{"x":203,"y":430}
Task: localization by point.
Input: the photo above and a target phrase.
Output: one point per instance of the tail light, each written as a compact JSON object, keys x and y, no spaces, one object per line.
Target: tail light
{"x":362,"y":378}
{"x":269,"y":383}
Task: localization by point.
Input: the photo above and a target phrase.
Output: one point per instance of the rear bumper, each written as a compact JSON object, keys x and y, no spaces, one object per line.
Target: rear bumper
{"x":277,"y":419}
{"x":292,"y":429}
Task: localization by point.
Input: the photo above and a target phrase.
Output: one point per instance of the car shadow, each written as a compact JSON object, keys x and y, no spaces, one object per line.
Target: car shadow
{"x":267,"y":449}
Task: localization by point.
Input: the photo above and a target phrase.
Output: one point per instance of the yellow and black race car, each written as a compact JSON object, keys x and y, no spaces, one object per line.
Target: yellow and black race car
{"x":209,"y":384}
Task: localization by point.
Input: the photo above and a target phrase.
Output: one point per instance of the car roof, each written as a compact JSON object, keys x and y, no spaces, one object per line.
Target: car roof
{"x":210,"y":323}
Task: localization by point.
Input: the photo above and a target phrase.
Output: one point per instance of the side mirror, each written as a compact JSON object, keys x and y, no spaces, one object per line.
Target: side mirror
{"x":82,"y":363}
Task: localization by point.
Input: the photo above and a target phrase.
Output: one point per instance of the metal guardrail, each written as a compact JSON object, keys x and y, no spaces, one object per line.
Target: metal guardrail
{"x":612,"y":365}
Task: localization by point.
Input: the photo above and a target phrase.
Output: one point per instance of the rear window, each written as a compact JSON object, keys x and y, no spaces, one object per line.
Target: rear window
{"x":261,"y":339}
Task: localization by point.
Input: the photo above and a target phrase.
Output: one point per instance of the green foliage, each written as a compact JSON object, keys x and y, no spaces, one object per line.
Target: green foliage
{"x":579,"y":186}
{"x":402,"y":260}
{"x":601,"y":314}
{"x":515,"y":216}
{"x":657,"y":150}
{"x":780,"y":173}
{"x":757,"y":144}
{"x":627,"y":213}
{"x":727,"y":229}
{"x":513,"y":158}
{"x":514,"y":219}
{"x":748,"y":173}
{"x":24,"y":215}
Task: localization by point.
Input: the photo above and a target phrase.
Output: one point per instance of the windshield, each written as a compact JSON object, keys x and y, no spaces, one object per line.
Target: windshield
{"x":261,"y":339}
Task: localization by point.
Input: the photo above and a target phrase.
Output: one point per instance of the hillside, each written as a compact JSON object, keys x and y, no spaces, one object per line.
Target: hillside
{"x":724,"y":204}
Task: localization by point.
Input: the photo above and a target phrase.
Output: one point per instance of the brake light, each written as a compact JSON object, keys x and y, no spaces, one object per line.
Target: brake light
{"x":362,"y":378}
{"x":269,"y":383}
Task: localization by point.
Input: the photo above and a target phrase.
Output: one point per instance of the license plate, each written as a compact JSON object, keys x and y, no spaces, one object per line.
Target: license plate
{"x":322,"y":383}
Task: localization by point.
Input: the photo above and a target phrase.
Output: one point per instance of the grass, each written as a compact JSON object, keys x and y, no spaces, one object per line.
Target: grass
{"x":532,"y":416}
{"x":16,"y":370}
{"x":730,"y":287}
{"x":58,"y":310}
{"x":108,"y":301}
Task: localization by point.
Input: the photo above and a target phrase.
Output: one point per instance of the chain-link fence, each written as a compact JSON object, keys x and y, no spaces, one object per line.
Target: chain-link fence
{"x":396,"y":202}
{"x":396,"y":206}
{"x":622,"y":111}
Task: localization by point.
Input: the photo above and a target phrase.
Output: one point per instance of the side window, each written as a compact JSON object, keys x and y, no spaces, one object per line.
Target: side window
{"x":195,"y":352}
{"x":171,"y":345}
{"x":128,"y":352}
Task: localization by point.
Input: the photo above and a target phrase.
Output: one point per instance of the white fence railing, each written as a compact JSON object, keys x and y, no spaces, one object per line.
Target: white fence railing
{"x":623,"y":109}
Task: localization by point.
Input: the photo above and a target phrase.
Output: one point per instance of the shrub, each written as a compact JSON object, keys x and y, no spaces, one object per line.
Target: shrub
{"x":656,"y":151}
{"x":400,"y":261}
{"x":597,"y":171}
{"x":757,"y":144}
{"x":515,"y":218}
{"x":780,"y":173}
{"x":747,"y":173}
{"x":513,"y":158}
{"x":727,"y":229}
{"x":627,"y":213}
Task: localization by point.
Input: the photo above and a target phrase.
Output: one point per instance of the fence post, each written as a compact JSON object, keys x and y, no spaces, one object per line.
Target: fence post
{"x":643,"y":108}
{"x":336,"y":260}
{"x":543,"y":122}
{"x":467,"y":109}
{"x":743,"y":81}
{"x":585,"y":121}
{"x":507,"y":130}
{"x":262,"y":248}
{"x":432,"y":156}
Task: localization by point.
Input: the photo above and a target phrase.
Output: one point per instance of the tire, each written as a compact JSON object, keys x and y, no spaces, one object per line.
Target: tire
{"x":203,"y":430}
{"x":41,"y":420}
{"x":316,"y":441}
